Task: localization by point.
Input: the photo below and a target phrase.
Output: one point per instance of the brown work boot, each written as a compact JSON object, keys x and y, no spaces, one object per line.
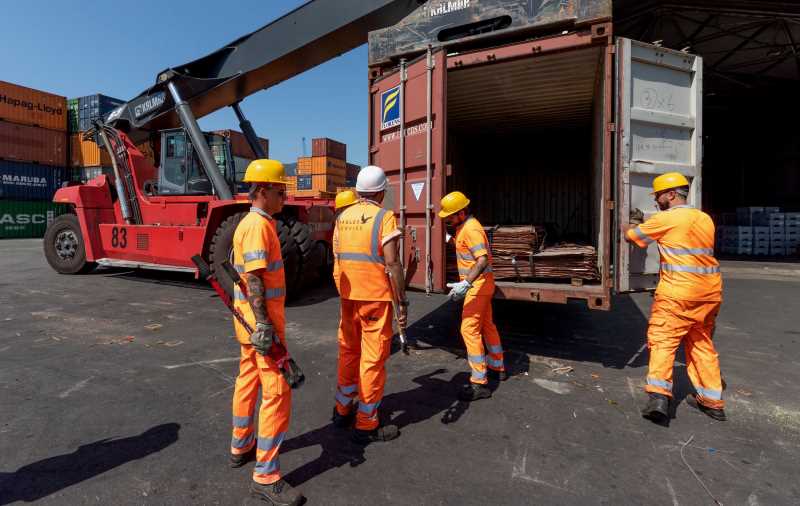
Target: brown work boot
{"x":279,"y":493}
{"x":716,"y":414}
{"x":657,"y":409}
{"x":239,"y":459}
{"x":379,"y":435}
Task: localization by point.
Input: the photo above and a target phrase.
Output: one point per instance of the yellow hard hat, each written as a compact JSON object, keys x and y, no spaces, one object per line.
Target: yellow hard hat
{"x":264,"y":171}
{"x":346,"y":198}
{"x":452,"y":203}
{"x":669,"y":181}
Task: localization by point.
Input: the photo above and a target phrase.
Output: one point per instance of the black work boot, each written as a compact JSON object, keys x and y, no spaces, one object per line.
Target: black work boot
{"x":473,"y":392}
{"x":497,"y":375}
{"x":343,"y":421}
{"x":716,"y":414}
{"x":379,"y":435}
{"x":279,"y":493}
{"x":657,"y":409}
{"x":240,"y":459}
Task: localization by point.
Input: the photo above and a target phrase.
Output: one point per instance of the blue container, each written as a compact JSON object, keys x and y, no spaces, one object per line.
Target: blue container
{"x":92,"y":107}
{"x":29,"y":181}
{"x":304,"y":182}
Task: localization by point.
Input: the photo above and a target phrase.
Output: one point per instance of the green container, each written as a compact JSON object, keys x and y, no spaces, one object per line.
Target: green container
{"x":20,"y":219}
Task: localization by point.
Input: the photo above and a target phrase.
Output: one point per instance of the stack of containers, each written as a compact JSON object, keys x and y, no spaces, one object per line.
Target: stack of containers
{"x":240,"y":150}
{"x":86,"y":158}
{"x":777,"y":234}
{"x":322,"y":173}
{"x":33,"y":155}
{"x":792,"y":233}
{"x":736,"y":240}
{"x":351,"y":175}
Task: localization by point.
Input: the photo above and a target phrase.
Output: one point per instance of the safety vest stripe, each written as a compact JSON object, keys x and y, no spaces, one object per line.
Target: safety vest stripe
{"x":466,"y":256}
{"x":478,"y":375}
{"x":369,"y":409}
{"x":242,"y":422}
{"x":495,"y":348}
{"x":260,"y":254}
{"x":275,"y":266}
{"x":239,"y":268}
{"x":269,"y":293}
{"x":242,"y":443}
{"x":689,"y":251}
{"x":477,"y":247}
{"x":374,"y":257}
{"x":348,"y":389}
{"x":376,"y":232}
{"x":343,"y":399}
{"x":641,"y":235}
{"x":689,"y":268}
{"x":464,"y":271}
{"x":268,"y":467}
{"x":476,"y":359}
{"x":711,"y":394}
{"x":360,"y":257}
{"x":495,"y":362}
{"x":266,"y":444}
{"x":659,"y":383}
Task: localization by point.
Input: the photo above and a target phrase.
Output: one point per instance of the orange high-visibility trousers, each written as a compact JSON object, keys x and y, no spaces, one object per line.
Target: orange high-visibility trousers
{"x":691,"y":322}
{"x":477,"y":326}
{"x":259,"y":372}
{"x":365,"y":341}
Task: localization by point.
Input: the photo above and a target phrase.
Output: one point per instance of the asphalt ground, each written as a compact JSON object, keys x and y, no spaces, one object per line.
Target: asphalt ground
{"x":115,"y":388}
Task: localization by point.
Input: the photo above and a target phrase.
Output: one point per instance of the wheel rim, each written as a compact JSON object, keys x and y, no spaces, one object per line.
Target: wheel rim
{"x":66,"y":245}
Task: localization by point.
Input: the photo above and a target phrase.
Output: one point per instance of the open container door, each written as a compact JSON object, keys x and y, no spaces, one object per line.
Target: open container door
{"x":659,"y":114}
{"x":407,"y":140}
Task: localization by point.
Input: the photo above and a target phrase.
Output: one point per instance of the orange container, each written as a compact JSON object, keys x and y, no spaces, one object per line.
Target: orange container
{"x":27,"y":106}
{"x":328,"y":166}
{"x":315,"y":194}
{"x":239,"y":145}
{"x":32,"y":144}
{"x":304,"y":165}
{"x":291,"y":184}
{"x":86,"y":153}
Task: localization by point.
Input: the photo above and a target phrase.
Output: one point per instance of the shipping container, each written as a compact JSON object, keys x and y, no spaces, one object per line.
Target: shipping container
{"x":73,"y":115}
{"x":566,"y":131}
{"x":94,"y":107}
{"x":304,"y":165}
{"x":86,"y":153}
{"x":30,"y":181}
{"x":239,"y":145}
{"x":84,"y":174}
{"x":328,"y":147}
{"x":25,"y":219}
{"x":27,"y":143}
{"x":329,"y":166}
{"x":304,"y":182}
{"x":26,"y":106}
{"x":352,"y":171}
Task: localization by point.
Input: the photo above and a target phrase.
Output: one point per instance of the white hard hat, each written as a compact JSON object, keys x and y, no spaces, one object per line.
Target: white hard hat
{"x":371,"y":179}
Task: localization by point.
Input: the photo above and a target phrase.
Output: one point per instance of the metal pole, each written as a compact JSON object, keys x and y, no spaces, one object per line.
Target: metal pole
{"x":249,"y":132}
{"x":200,"y":144}
{"x":429,"y":67}
{"x":118,"y":183}
{"x":401,"y":100}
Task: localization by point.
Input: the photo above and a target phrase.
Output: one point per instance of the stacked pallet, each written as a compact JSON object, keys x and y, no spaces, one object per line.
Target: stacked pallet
{"x":759,"y":231}
{"x":33,"y":156}
{"x":512,"y":248}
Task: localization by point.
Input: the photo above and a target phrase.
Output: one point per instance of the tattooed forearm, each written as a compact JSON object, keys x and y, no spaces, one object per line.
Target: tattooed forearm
{"x":255,"y":296}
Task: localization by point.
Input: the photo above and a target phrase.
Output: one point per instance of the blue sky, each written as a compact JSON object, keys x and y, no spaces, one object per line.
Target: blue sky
{"x":76,"y":48}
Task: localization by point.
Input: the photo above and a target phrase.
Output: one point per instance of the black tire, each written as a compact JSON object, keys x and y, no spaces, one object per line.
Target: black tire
{"x":291,"y":254}
{"x":221,"y":247}
{"x":64,"y":247}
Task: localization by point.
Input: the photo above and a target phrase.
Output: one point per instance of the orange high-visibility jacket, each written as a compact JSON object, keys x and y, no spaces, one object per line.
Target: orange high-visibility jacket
{"x":359,"y":236}
{"x":685,"y":238}
{"x":471,"y":244}
{"x":256,"y":246}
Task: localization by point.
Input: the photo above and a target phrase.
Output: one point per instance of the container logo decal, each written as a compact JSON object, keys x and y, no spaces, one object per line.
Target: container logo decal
{"x":28,"y":181}
{"x":13,"y":221}
{"x":150,"y":105}
{"x":31,"y":106}
{"x":390,"y":108}
{"x":447,"y":7}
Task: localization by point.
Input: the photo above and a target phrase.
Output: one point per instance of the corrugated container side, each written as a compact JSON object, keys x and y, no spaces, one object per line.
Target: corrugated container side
{"x":83,"y":153}
{"x":84,"y":174}
{"x":28,"y":181}
{"x":239,"y":145}
{"x":328,"y":147}
{"x":352,"y":171}
{"x":326,"y":165}
{"x":22,"y":219}
{"x":26,"y":143}
{"x":73,"y":115}
{"x":304,"y":165}
{"x":304,"y":182}
{"x":27,"y":106}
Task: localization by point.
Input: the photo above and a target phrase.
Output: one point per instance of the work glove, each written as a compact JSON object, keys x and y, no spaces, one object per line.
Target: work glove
{"x":458,"y":290}
{"x":263,"y":337}
{"x":637,"y":217}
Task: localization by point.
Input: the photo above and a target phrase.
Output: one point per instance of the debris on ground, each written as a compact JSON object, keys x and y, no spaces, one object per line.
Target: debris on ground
{"x":153,"y":326}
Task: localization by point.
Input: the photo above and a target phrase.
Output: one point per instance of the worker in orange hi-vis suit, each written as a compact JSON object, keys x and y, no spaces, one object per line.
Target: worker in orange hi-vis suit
{"x":365,"y":248}
{"x":687,"y":299}
{"x":476,"y":288}
{"x":257,"y":257}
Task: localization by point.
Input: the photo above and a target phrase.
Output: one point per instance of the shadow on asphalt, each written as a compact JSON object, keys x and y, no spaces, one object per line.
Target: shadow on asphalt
{"x":48,"y":476}
{"x":432,"y":397}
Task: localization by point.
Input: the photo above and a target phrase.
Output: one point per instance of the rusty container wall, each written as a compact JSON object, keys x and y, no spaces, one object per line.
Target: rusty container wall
{"x":239,"y":145}
{"x":86,"y":153}
{"x":33,"y":144}
{"x":27,"y":106}
{"x":328,"y":147}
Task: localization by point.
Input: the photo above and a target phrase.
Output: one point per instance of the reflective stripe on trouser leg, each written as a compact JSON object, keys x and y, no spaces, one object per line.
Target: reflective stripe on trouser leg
{"x":702,"y":360}
{"x":665,"y":332}
{"x":472,"y":318}
{"x":491,"y":339}
{"x":349,"y":357}
{"x":273,"y":420}
{"x":245,"y":396}
{"x":375,"y":320}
